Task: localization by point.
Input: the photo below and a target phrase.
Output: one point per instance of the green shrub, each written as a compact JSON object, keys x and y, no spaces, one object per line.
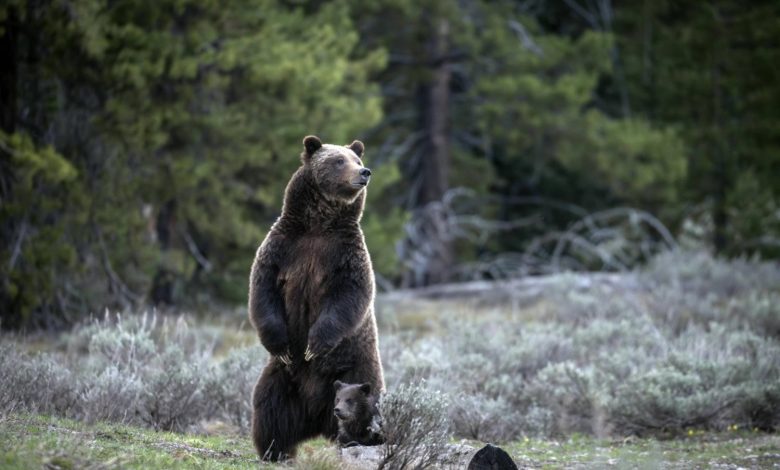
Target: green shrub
{"x":575,"y":396}
{"x":415,"y":427}
{"x":37,"y":383}
{"x":112,"y":394}
{"x":675,"y":396}
{"x":680,"y":345}
{"x":140,"y":369}
{"x":228,"y":385}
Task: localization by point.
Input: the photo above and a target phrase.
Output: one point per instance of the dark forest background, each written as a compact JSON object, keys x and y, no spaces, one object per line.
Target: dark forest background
{"x":145,"y":145}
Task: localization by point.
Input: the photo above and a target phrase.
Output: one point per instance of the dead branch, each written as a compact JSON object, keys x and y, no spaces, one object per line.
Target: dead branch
{"x":525,"y":39}
{"x":125,"y":295}
{"x":18,"y":244}
{"x":194,"y":250}
{"x":612,"y":240}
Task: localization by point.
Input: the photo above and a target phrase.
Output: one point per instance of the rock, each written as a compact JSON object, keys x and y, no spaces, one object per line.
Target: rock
{"x":491,"y":457}
{"x":457,"y":456}
{"x":362,"y":456}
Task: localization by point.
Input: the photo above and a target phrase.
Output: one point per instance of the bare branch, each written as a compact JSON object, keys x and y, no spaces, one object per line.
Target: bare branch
{"x":525,"y":39}
{"x":614,"y":240}
{"x":18,"y":244}
{"x":194,"y":250}
{"x":115,"y":282}
{"x":589,"y":17}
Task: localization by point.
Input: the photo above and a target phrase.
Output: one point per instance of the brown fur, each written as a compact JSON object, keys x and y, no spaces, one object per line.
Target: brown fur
{"x":312,"y":289}
{"x":359,"y":420}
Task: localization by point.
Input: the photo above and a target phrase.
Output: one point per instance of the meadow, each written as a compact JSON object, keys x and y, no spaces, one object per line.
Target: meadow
{"x":676,"y":365}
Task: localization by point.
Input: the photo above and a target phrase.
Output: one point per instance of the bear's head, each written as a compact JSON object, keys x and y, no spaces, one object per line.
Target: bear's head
{"x":352,"y":401}
{"x":337,"y":169}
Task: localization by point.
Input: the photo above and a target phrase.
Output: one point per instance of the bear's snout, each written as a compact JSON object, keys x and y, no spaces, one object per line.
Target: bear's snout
{"x":364,"y":175}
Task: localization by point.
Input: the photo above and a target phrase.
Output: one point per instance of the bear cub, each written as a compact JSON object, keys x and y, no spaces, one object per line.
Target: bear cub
{"x":358,"y":415}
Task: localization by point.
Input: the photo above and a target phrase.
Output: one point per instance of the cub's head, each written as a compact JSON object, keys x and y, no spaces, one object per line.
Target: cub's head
{"x":338,"y":170}
{"x":352,"y":401}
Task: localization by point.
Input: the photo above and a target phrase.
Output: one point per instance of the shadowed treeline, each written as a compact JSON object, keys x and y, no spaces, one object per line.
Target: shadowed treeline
{"x":144,"y":146}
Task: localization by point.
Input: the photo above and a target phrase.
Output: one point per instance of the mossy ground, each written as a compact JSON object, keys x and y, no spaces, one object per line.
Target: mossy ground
{"x":31,"y":441}
{"x":732,"y":450}
{"x":34,"y":441}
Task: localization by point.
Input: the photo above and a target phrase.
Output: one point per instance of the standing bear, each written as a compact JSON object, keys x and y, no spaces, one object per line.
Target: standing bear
{"x":311,"y":296}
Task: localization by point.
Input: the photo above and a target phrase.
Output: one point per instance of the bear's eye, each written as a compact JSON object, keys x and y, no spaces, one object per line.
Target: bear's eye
{"x":349,"y":401}
{"x":340,"y":161}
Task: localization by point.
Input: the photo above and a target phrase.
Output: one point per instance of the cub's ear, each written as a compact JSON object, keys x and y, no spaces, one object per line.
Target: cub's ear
{"x":357,"y":147}
{"x":311,"y":143}
{"x":337,"y":385}
{"x":366,"y":389}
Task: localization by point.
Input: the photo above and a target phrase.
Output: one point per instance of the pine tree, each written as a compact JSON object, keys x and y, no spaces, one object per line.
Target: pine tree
{"x":160,"y":140}
{"x":709,"y":69}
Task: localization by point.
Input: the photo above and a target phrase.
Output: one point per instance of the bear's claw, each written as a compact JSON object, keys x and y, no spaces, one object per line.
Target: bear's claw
{"x":308,"y":355}
{"x":285,"y":358}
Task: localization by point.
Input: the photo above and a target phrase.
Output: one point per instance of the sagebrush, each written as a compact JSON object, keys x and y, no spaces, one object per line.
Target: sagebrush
{"x":141,"y":369}
{"x":689,"y":342}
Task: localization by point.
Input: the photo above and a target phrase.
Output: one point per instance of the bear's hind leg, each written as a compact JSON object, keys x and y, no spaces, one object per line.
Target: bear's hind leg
{"x":278,"y":418}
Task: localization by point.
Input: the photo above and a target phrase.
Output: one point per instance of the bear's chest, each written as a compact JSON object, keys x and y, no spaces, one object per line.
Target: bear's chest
{"x":305,"y":272}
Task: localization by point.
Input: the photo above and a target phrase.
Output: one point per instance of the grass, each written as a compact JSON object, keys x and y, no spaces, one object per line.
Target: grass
{"x":35,"y":441}
{"x":703,"y":450}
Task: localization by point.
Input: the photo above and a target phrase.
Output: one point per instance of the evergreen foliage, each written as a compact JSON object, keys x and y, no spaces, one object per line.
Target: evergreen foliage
{"x":159,"y":144}
{"x":144,"y":146}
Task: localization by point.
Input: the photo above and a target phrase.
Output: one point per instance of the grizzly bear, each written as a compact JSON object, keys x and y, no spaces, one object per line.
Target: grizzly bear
{"x":311,"y":296}
{"x":359,"y":419}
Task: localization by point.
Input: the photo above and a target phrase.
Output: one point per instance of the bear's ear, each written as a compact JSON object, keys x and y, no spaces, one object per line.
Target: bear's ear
{"x":311,"y":143}
{"x":357,"y":147}
{"x":337,"y":385}
{"x":366,"y":389}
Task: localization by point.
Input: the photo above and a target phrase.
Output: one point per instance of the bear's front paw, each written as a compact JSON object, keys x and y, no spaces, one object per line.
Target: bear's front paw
{"x":276,"y":344}
{"x":286,"y":358}
{"x":315,"y":349}
{"x":308,"y":355}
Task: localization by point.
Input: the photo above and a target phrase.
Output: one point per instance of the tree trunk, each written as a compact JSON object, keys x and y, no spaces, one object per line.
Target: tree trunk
{"x":8,"y":43}
{"x":720,"y":174}
{"x":430,"y":174}
{"x":8,"y":96}
{"x":163,"y":283}
{"x":433,"y":102}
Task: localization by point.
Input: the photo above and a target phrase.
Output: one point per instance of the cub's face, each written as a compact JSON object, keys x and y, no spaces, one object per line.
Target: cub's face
{"x":351,"y":400}
{"x":338,"y":170}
